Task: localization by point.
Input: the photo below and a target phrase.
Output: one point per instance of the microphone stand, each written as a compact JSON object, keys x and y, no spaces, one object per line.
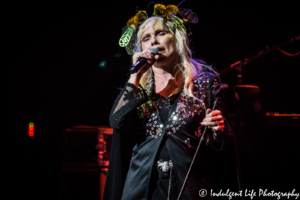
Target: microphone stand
{"x":239,"y":64}
{"x":238,"y":67}
{"x":216,"y":91}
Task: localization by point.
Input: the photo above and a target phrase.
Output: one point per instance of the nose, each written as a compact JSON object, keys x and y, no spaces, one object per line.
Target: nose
{"x":154,"y":41}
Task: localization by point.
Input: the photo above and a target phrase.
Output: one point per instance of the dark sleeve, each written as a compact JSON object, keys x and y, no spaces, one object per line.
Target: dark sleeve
{"x":227,"y":134}
{"x":123,"y":121}
{"x":207,"y":82}
{"x":224,"y":143}
{"x":125,"y":104}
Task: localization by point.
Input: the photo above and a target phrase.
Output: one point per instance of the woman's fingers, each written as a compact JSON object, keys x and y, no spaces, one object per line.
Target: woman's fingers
{"x":144,"y":54}
{"x":214,"y":120}
{"x":149,"y":56}
{"x":214,"y":123}
{"x":210,"y":113}
{"x":211,"y":119}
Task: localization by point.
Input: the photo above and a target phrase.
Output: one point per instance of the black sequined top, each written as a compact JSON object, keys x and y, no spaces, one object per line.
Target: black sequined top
{"x":161,"y":128}
{"x":160,"y":181}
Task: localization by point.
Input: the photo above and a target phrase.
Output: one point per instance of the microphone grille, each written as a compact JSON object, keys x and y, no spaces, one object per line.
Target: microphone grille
{"x":154,"y":50}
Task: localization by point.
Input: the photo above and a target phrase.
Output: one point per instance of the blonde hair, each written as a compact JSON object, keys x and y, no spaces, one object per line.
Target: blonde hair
{"x":185,"y":63}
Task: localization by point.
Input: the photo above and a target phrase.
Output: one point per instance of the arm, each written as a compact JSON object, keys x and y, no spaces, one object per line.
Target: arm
{"x":220,"y":135}
{"x":132,"y":95}
{"x":125,"y":104}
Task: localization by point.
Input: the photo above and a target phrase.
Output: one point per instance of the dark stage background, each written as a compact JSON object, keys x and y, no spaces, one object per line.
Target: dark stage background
{"x":56,"y":82}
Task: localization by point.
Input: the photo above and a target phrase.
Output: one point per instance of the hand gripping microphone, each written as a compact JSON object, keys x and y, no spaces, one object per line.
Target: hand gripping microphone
{"x":142,"y":62}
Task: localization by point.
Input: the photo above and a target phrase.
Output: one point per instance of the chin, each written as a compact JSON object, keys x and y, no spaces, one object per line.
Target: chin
{"x":161,"y":60}
{"x":161,"y":57}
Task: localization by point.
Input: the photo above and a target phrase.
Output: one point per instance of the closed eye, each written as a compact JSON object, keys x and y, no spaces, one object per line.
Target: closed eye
{"x":161,"y":32}
{"x":145,"y":39}
{"x":157,"y":32}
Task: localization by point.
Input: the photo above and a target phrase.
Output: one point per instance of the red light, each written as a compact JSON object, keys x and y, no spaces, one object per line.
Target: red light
{"x":31,"y":129}
{"x":31,"y":133}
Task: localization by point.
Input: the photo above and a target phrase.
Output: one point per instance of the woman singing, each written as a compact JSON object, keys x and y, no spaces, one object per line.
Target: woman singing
{"x":160,"y":115}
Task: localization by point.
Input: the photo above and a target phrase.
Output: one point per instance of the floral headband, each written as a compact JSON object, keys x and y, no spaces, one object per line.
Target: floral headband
{"x":180,"y":17}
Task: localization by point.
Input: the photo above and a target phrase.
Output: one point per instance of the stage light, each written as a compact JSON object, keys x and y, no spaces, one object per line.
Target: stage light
{"x":31,"y":129}
{"x":102,"y":64}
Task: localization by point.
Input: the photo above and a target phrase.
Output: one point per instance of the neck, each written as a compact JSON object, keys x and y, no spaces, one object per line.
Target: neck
{"x":165,"y":82}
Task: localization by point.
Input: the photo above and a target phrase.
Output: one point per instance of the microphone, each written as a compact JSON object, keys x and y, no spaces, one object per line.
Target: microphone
{"x":142,"y":62}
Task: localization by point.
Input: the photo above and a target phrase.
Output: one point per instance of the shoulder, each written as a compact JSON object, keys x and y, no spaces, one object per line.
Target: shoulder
{"x":206,"y":80}
{"x":204,"y":83}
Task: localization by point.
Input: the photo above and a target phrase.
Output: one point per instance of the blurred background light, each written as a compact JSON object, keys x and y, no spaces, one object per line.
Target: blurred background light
{"x":102,"y":63}
{"x":31,"y":129}
{"x":118,"y":55}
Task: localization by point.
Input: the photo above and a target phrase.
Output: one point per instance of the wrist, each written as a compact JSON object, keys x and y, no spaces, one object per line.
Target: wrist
{"x":135,"y":79}
{"x":218,"y":135}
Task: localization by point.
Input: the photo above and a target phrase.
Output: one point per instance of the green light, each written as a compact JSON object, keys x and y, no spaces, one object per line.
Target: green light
{"x":31,"y":124}
{"x":102,"y":64}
